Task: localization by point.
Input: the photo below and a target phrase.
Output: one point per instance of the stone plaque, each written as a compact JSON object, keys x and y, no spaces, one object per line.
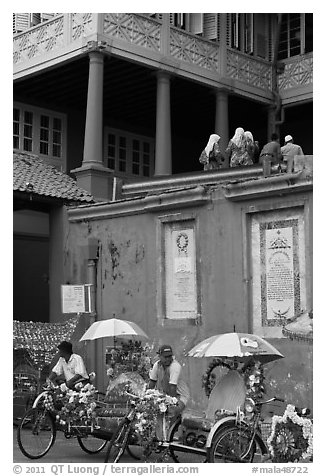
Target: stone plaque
{"x":180,"y":266}
{"x":278,"y":265}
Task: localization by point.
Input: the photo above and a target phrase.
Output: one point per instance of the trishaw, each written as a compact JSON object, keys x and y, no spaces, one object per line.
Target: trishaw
{"x":230,"y":430}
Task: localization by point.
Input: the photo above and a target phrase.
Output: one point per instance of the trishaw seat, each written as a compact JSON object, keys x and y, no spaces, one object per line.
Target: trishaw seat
{"x":228,"y":395}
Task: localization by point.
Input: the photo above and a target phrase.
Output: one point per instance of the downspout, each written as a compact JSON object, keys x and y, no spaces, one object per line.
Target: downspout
{"x":91,"y":279}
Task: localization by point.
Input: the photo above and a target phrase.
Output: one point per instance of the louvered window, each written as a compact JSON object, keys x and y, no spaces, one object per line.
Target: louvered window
{"x":210,"y":26}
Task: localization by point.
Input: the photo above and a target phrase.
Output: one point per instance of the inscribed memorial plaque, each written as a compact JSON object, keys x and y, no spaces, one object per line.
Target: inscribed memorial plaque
{"x":278,"y":266}
{"x":181,"y":292}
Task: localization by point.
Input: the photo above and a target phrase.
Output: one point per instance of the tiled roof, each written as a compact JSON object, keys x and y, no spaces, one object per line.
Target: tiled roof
{"x":31,"y":174}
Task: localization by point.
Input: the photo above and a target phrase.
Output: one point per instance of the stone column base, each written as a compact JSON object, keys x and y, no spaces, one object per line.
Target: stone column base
{"x":96,"y":179}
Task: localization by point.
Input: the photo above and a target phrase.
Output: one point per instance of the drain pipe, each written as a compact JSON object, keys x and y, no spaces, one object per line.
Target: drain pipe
{"x":279,"y":109}
{"x":91,"y":280}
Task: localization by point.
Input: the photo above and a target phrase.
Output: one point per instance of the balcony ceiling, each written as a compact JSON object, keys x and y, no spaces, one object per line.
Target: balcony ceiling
{"x":129,"y":91}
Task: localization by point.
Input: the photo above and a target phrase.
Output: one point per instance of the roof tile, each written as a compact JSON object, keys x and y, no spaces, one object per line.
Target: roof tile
{"x":31,"y":174}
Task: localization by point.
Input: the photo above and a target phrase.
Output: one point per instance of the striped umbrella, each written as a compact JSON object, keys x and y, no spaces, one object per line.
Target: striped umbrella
{"x":236,"y":344}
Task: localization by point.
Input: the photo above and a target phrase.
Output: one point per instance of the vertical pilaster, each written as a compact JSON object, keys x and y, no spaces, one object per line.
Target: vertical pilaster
{"x":163,"y":149}
{"x":222,"y":117}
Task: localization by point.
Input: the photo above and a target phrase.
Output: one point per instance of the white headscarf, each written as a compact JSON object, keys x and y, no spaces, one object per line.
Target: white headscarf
{"x":214,"y":138}
{"x":238,"y":136}
{"x":248,"y":135}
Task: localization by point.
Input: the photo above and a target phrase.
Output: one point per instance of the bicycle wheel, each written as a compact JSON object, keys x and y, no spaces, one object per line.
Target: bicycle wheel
{"x":36,"y":433}
{"x":118,"y":442}
{"x":91,"y":444}
{"x":181,"y":456}
{"x":231,"y":445}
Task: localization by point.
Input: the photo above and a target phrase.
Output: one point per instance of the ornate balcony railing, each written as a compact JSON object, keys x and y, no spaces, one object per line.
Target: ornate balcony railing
{"x":59,"y":34}
{"x":249,"y":70}
{"x":193,"y":50}
{"x":133,"y":28}
{"x":297,"y":72}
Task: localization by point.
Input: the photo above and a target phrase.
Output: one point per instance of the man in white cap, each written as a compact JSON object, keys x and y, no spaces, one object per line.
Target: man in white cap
{"x":289,"y":150}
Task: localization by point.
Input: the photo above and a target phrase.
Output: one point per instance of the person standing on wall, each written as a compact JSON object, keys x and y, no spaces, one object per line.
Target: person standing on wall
{"x":211,"y":157}
{"x":289,"y":150}
{"x":236,"y":150}
{"x":272,"y":151}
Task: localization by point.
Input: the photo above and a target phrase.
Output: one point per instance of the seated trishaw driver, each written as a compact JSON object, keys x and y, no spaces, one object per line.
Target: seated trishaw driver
{"x":165,"y":377}
{"x":70,"y":368}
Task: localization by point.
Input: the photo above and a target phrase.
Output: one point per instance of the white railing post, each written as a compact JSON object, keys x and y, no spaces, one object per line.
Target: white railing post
{"x":67,"y":27}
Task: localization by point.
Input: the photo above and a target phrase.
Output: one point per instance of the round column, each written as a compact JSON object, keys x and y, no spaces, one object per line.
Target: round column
{"x":93,"y":148}
{"x":163,"y":148}
{"x":222,"y":117}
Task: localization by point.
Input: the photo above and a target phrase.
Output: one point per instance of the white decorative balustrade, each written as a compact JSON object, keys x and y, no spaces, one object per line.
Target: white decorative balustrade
{"x":51,"y":36}
{"x":133,"y":28}
{"x":37,"y":41}
{"x":59,"y":34}
{"x":193,"y":50}
{"x":249,"y":70}
{"x":297,"y":72}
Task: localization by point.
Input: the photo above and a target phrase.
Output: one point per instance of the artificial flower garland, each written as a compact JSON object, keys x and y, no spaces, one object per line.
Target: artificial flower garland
{"x":150,"y":415}
{"x":291,"y":438}
{"x":252,"y":373}
{"x":73,"y":407}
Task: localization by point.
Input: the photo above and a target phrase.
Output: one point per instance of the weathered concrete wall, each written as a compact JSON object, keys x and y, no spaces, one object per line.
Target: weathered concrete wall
{"x":127,"y":287}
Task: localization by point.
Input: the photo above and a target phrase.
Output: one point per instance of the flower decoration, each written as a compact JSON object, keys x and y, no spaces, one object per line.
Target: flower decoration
{"x":130,"y":356}
{"x":291,"y":438}
{"x":252,"y":373}
{"x":72,"y":407}
{"x":40,"y":339}
{"x":149,"y":412}
{"x":207,"y":381}
{"x":254,"y":380}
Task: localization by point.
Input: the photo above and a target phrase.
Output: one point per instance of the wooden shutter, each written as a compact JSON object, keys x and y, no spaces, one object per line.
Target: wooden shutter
{"x":20,"y":22}
{"x":196,"y":23}
{"x":261,"y":28}
{"x":210,"y":26}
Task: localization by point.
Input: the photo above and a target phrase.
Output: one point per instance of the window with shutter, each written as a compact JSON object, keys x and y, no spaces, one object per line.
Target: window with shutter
{"x":249,"y":33}
{"x":210,"y":26}
{"x":20,"y":22}
{"x":196,"y":23}
{"x":235,"y":30}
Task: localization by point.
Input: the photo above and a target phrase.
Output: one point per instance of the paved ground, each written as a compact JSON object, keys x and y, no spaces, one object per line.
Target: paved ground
{"x":68,"y":451}
{"x":64,"y":451}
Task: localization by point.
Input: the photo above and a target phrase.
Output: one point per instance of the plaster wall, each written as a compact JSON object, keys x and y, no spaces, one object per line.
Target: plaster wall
{"x":128,"y":282}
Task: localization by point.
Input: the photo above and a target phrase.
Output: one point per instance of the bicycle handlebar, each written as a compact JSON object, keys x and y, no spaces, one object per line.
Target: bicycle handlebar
{"x":273,"y":399}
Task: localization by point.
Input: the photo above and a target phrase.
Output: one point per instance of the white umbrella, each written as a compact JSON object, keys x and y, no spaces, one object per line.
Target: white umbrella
{"x":236,"y":344}
{"x":114,"y":328}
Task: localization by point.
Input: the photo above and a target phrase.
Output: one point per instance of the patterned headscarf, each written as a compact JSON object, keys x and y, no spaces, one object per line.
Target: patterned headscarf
{"x":237,"y":139}
{"x":248,"y":135}
{"x":214,"y":138}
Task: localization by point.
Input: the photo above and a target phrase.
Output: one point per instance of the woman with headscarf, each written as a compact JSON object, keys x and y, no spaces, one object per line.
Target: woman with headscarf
{"x":236,"y":150}
{"x":251,"y":146}
{"x":211,"y":156}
